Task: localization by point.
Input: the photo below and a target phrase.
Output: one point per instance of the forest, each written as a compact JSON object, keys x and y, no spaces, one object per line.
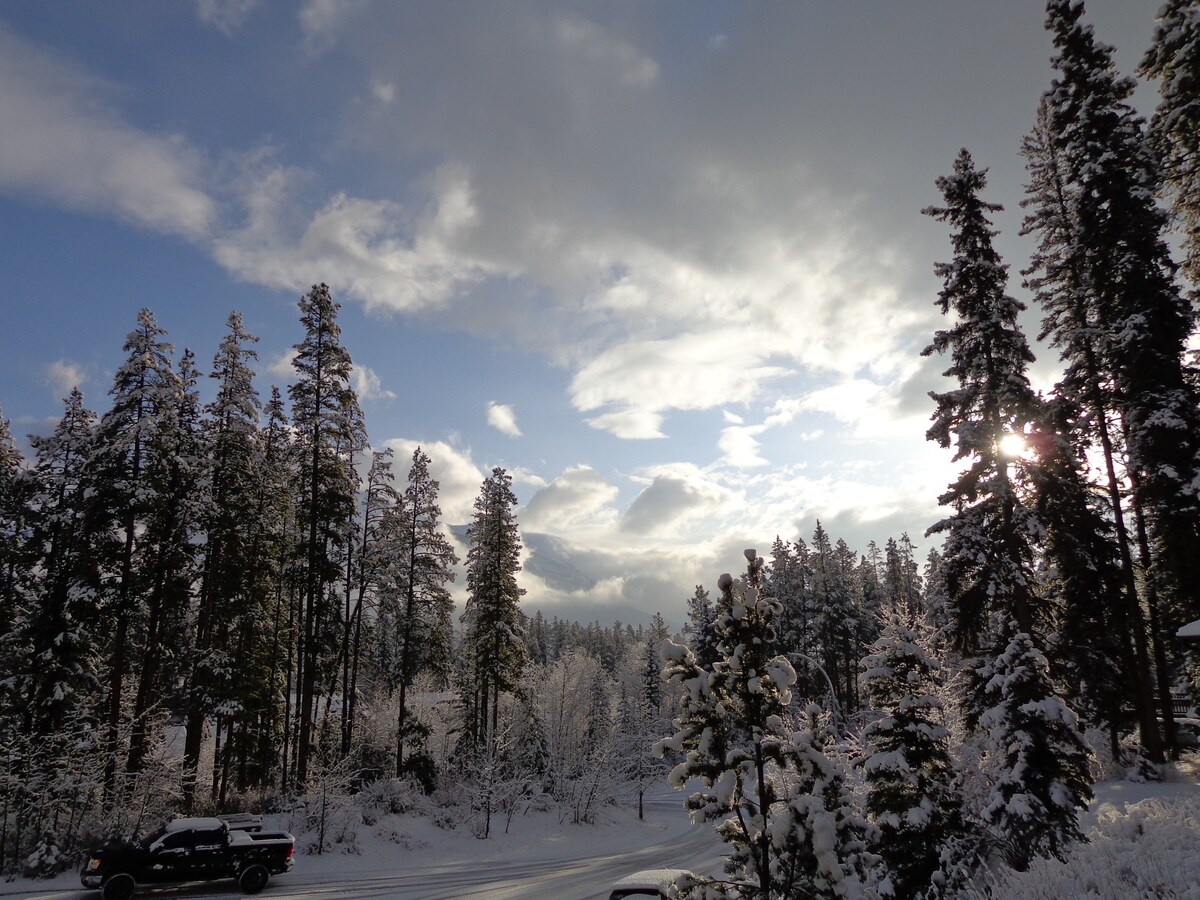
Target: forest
{"x":241,"y":604}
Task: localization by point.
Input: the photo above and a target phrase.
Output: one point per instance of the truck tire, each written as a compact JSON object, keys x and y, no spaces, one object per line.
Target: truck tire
{"x":118,"y":887}
{"x":252,"y":880}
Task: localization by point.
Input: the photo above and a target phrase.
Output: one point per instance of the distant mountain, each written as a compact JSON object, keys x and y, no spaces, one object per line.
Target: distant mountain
{"x":549,"y":560}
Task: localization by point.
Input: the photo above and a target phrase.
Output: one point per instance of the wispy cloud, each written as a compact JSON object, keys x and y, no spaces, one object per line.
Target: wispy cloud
{"x":64,"y":141}
{"x":367,"y":385}
{"x":281,"y":366}
{"x":227,"y":16}
{"x":375,"y":251}
{"x":63,"y":376}
{"x":501,"y":417}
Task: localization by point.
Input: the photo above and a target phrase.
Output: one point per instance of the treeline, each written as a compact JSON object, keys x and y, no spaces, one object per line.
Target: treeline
{"x":224,"y":567}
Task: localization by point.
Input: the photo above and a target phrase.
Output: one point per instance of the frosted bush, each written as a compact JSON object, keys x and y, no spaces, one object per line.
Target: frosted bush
{"x":391,"y":795}
{"x":47,"y":859}
{"x":1150,"y":851}
{"x":402,"y":839}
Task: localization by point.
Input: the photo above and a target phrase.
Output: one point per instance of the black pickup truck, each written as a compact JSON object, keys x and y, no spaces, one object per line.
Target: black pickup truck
{"x":198,"y":849}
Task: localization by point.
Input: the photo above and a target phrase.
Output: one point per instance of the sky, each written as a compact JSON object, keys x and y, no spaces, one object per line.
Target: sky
{"x":662,"y":261}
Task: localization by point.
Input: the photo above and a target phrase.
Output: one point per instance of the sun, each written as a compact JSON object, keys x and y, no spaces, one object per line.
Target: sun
{"x":1012,"y":445}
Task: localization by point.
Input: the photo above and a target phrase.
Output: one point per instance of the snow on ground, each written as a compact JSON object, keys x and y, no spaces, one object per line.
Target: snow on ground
{"x":1145,"y":842}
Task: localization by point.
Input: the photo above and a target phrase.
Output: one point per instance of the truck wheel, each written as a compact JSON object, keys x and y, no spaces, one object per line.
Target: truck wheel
{"x":253,"y":879}
{"x":118,"y":887}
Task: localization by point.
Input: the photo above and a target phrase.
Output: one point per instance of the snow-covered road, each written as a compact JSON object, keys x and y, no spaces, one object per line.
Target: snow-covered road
{"x":577,"y":863}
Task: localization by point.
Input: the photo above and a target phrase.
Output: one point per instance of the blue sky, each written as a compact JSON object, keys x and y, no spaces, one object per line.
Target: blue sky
{"x":663,"y":261}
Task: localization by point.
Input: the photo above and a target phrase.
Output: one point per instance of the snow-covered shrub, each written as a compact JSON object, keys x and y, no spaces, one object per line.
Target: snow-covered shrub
{"x":391,"y":795}
{"x":47,"y":858}
{"x":331,"y":815}
{"x":402,"y":839}
{"x":1144,"y":770}
{"x":1149,"y":850}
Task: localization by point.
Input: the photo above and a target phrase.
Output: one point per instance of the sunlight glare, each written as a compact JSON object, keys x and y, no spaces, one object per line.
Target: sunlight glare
{"x":1012,"y":445}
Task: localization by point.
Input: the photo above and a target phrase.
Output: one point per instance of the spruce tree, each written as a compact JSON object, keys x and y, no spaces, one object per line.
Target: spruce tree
{"x":329,"y":431}
{"x":988,"y":552}
{"x":174,"y":473}
{"x":13,"y":490}
{"x":1124,"y":276}
{"x":1088,"y":645}
{"x":834,"y":623}
{"x":273,"y":563}
{"x":123,"y":496}
{"x":227,"y":518}
{"x":1074,"y":324}
{"x":14,"y":605}
{"x":1043,"y":778}
{"x":911,"y":784}
{"x":495,"y":626}
{"x":780,"y":802}
{"x":1173,"y":60}
{"x":57,"y":632}
{"x":424,"y":569}
{"x":699,"y":628}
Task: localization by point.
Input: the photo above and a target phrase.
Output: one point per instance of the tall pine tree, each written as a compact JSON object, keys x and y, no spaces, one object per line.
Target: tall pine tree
{"x":988,"y":552}
{"x":329,"y":432}
{"x":495,"y":632}
{"x":1173,"y":60}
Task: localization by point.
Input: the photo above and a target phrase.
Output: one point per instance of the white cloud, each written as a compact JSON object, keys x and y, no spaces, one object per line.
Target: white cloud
{"x":320,"y":20}
{"x":630,"y":424}
{"x":576,"y":501}
{"x":586,"y":40}
{"x":675,"y":497}
{"x":63,"y":376}
{"x":367,"y":385}
{"x":62,"y":142}
{"x":875,"y":410}
{"x":281,"y":366}
{"x":383,"y":91}
{"x":501,"y":417}
{"x":693,"y":371}
{"x":227,"y":16}
{"x":740,"y":446}
{"x":371,"y":249}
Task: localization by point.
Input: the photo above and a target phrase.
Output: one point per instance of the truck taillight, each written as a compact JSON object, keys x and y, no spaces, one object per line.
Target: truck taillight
{"x":291,"y":852}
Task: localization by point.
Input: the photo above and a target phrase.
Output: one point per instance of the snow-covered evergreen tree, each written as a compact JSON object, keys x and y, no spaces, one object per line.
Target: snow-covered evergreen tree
{"x":988,"y":552}
{"x":57,"y":681}
{"x":1074,"y":324}
{"x":1088,"y":644}
{"x":779,"y":800}
{"x":329,"y":432}
{"x":495,"y":630}
{"x":174,"y":473}
{"x":1123,"y":281}
{"x":229,"y":522}
{"x":1042,"y":776}
{"x":834,"y":619}
{"x":422,"y":572}
{"x":13,"y":511}
{"x":124,"y":494}
{"x":699,"y":628}
{"x":1173,"y":60}
{"x":911,"y":783}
